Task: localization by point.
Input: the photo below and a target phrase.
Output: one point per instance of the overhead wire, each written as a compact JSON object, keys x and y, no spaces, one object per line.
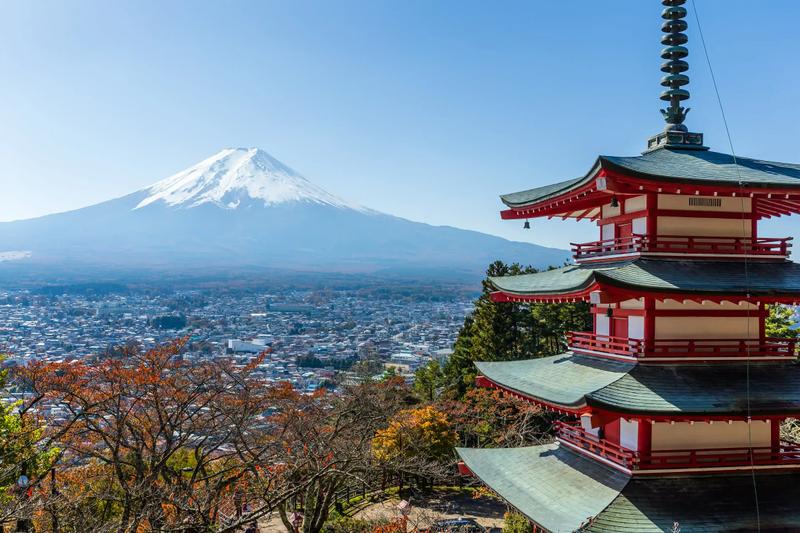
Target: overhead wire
{"x":746,"y":264}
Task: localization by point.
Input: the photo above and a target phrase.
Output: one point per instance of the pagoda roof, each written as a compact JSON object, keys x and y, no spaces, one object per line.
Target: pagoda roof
{"x":709,"y":503}
{"x":561,"y":490}
{"x":572,"y":382}
{"x":660,"y":275}
{"x":699,"y":167}
{"x":710,"y":389}
{"x":553,"y":486}
{"x":563,"y":380}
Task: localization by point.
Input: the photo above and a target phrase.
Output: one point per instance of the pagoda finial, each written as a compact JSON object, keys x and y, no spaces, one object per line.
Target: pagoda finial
{"x":675,"y":66}
{"x":675,"y":134}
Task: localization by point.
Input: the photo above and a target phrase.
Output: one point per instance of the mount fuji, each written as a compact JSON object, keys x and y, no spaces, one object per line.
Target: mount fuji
{"x":243,"y":210}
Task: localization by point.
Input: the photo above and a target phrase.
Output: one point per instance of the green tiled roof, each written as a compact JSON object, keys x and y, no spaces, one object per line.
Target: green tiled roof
{"x":555,"y":487}
{"x":574,"y":380}
{"x":559,"y":280}
{"x":703,"y":389}
{"x":708,"y":167}
{"x":691,"y":166}
{"x":560,"y":490}
{"x":705,"y":277}
{"x":539,"y":193}
{"x":561,"y":379}
{"x":703,"y":505}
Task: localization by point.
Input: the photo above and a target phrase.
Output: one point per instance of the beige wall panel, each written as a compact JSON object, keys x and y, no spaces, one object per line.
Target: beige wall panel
{"x":701,"y":435}
{"x":727,"y":204}
{"x":703,"y":227}
{"x":637,"y":203}
{"x":705,"y":306}
{"x":695,"y":327}
{"x":609,"y":211}
{"x":633,"y":304}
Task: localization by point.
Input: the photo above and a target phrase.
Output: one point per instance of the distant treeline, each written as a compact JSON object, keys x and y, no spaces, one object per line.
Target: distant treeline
{"x":310,"y":361}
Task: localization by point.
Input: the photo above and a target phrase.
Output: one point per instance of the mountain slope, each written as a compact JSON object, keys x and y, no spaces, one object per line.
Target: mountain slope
{"x":243,"y":209}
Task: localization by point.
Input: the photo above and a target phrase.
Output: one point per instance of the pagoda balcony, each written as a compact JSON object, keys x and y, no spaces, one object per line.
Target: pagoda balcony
{"x":677,"y":349}
{"x":573,"y":435}
{"x":674,"y":245}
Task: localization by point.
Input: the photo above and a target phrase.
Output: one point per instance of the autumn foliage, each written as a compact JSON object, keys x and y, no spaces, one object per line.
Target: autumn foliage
{"x":421,"y":432}
{"x":148,"y":441}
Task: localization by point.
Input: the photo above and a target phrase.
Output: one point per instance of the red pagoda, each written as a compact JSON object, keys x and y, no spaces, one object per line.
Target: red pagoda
{"x":676,"y":396}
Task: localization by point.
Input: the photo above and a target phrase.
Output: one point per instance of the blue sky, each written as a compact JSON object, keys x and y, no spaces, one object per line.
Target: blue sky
{"x":427,"y":110}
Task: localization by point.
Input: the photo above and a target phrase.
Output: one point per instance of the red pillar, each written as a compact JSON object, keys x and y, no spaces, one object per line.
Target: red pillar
{"x":645,"y":435}
{"x":775,"y":432}
{"x":652,"y":218}
{"x":649,"y":323}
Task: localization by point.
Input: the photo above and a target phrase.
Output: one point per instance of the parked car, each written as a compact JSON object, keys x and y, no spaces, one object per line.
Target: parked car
{"x":456,"y":525}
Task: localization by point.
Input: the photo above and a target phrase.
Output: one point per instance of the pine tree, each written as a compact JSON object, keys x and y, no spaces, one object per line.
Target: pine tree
{"x":781,"y":322}
{"x":509,"y":331}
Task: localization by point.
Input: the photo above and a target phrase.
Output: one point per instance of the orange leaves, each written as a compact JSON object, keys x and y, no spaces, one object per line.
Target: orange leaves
{"x":424,"y":431}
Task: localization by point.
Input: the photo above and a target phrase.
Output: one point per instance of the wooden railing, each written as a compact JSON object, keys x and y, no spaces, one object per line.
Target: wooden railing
{"x":713,"y":457}
{"x":717,"y":245}
{"x":695,"y":348}
{"x":586,"y":340}
{"x":573,"y":434}
{"x":769,"y":347}
{"x":622,"y":245}
{"x":681,"y":245}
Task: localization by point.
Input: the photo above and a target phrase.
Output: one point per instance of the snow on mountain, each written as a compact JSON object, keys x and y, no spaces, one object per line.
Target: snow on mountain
{"x":242,"y":211}
{"x":238,"y":176}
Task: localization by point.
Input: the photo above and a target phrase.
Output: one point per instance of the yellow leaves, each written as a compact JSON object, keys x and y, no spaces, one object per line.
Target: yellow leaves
{"x":424,"y":431}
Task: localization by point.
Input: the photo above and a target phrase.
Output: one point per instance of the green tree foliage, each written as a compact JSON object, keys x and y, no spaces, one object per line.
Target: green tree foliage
{"x":428,"y":380}
{"x":508,"y":331}
{"x":515,"y":523}
{"x":23,"y":451}
{"x":170,"y":322}
{"x":781,"y":322}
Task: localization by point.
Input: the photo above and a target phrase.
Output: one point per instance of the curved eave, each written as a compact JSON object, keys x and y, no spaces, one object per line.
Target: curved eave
{"x":663,"y":279}
{"x":559,"y":382}
{"x":703,"y":503}
{"x":562,"y":491}
{"x":668,"y":171}
{"x":712,"y":390}
{"x":555,"y":488}
{"x":706,"y":169}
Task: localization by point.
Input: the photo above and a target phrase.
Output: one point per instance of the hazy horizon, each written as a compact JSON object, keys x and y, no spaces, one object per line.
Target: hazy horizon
{"x":423,"y":111}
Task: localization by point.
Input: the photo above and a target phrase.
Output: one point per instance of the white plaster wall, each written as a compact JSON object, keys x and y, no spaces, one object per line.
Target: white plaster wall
{"x":602,"y":324}
{"x":607,"y":232}
{"x":636,"y":327}
{"x":639,"y":226}
{"x":629,"y":434}
{"x":586,"y":425}
{"x":704,"y":327}
{"x":702,"y":435}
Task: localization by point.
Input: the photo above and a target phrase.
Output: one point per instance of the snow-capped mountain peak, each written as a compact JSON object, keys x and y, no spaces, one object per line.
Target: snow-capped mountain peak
{"x":237,"y":176}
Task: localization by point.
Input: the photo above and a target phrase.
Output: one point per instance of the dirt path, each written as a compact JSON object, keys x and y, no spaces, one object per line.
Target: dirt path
{"x":425,"y":509}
